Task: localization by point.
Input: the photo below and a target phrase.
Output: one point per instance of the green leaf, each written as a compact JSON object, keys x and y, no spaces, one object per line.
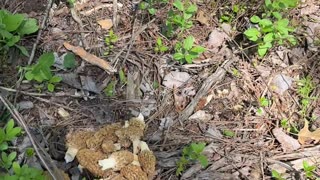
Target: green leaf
{"x":190,"y":57}
{"x":265,"y":23}
{"x":23,"y":50}
{"x":198,"y":147}
{"x":268,"y":37}
{"x":179,"y":5}
{"x":186,"y":16}
{"x":191,"y":9}
{"x":12,"y":156}
{"x":255,"y":19}
{"x":268,"y":4}
{"x":143,"y":5}
{"x":13,"y":41}
{"x":159,"y":41}
{"x":178,"y":56}
{"x":55,"y":79}
{"x":4,"y":146}
{"x":110,"y":89}
{"x":252,"y":34}
{"x":283,"y":22}
{"x":203,"y":160}
{"x":152,"y":11}
{"x":30,"y":26}
{"x":12,"y":22}
{"x":50,"y":87}
{"x":13,"y":133}
{"x":69,"y":61}
{"x":228,"y":133}
{"x":277,"y":15}
{"x":16,"y":168}
{"x":29,"y":76}
{"x":5,"y":34}
{"x":122,"y":77}
{"x":188,"y":43}
{"x":198,"y":49}
{"x":2,"y":135}
{"x":10,"y":125}
{"x":262,"y":49}
{"x":46,"y":59}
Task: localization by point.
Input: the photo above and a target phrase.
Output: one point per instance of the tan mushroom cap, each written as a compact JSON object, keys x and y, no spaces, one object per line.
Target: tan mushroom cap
{"x":74,"y":142}
{"x":108,"y":146}
{"x":147,"y":160}
{"x":133,"y":172}
{"x":105,"y":133}
{"x":89,"y":159}
{"x":117,"y":160}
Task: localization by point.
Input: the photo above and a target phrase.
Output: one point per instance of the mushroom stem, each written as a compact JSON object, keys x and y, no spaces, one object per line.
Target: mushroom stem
{"x":70,"y":154}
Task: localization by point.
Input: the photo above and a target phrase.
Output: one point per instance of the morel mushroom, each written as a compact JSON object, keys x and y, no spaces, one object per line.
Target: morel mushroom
{"x":133,"y":130}
{"x":147,"y":160}
{"x":76,"y":141}
{"x":117,"y":160}
{"x":89,"y":159}
{"x":133,"y":172}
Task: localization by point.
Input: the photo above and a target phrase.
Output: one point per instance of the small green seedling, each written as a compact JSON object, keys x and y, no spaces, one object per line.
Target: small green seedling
{"x":272,"y":28}
{"x":305,"y":88}
{"x":110,"y":40}
{"x":41,"y":72}
{"x":191,"y":153}
{"x":69,"y":61}
{"x":180,"y":17}
{"x":12,"y":28}
{"x":276,"y":175}
{"x":228,"y":133}
{"x":160,"y":47}
{"x":263,"y":102}
{"x":7,"y":134}
{"x":228,"y":17}
{"x":109,"y":91}
{"x":150,"y":5}
{"x":308,"y":170}
{"x":187,"y":51}
{"x":122,"y":77}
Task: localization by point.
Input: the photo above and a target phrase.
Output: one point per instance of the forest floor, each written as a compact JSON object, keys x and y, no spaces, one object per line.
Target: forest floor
{"x":257,"y":115}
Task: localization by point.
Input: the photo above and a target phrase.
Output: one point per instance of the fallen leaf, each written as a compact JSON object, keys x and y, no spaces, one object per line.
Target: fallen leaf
{"x":175,"y":79}
{"x":305,"y":135}
{"x":180,"y":100}
{"x":105,"y":23}
{"x":63,"y":113}
{"x":201,"y":17}
{"x":90,"y":57}
{"x":201,"y":116}
{"x":281,"y":83}
{"x":288,"y":143}
{"x":216,"y":39}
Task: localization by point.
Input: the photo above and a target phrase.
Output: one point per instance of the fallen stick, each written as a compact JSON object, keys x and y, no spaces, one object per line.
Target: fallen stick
{"x":206,"y":86}
{"x":90,"y":58}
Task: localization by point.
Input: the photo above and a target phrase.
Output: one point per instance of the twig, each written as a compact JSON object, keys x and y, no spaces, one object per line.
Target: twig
{"x":44,"y":157}
{"x":206,"y":86}
{"x":115,"y":12}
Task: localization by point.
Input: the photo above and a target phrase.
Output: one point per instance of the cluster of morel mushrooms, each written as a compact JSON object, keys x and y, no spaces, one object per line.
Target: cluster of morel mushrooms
{"x":115,"y":151}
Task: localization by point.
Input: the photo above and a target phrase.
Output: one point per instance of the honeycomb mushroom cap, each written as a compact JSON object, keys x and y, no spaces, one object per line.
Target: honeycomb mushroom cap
{"x":108,"y":146}
{"x":117,"y":160}
{"x":74,"y":142}
{"x":147,"y":159}
{"x":133,"y":172}
{"x":105,"y":133}
{"x":89,"y":159}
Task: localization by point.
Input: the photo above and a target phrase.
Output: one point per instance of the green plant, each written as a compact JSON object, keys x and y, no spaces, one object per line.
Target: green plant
{"x":150,"y":5}
{"x":12,"y":169}
{"x":263,"y":102}
{"x":180,"y":18}
{"x":12,"y":28}
{"x":236,"y":10}
{"x":122,"y":77}
{"x":187,"y":51}
{"x":160,"y":47}
{"x":276,"y":175}
{"x":228,"y":133}
{"x":308,"y":170}
{"x":191,"y":153}
{"x":110,"y":89}
{"x":272,"y":28}
{"x":110,"y":40}
{"x":305,"y":88}
{"x":41,"y":71}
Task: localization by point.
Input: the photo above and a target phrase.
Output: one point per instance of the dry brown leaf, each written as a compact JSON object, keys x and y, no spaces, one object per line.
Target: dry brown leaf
{"x":180,"y":100}
{"x":201,"y":17}
{"x":305,"y":135}
{"x":105,"y":23}
{"x":90,"y":57}
{"x":288,"y":143}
